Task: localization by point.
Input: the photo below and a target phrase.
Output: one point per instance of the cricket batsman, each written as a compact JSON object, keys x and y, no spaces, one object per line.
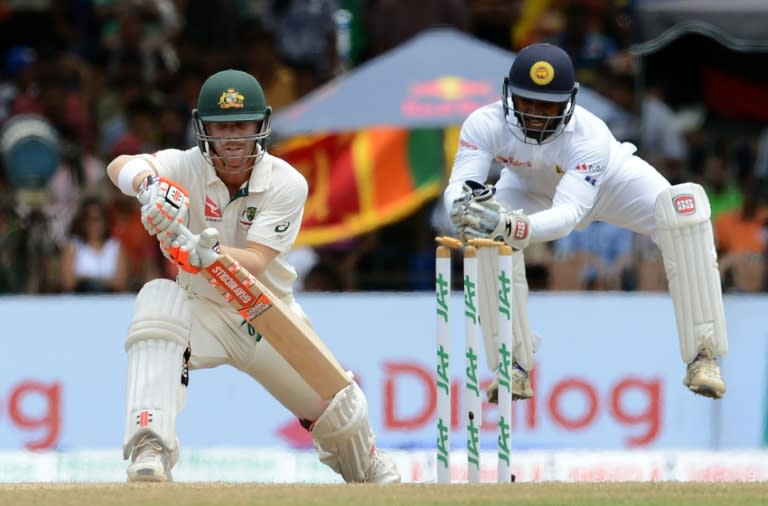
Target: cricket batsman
{"x":237,"y":199}
{"x":562,"y":169}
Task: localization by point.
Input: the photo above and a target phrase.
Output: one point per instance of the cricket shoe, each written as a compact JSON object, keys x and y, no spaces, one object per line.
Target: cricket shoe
{"x":382,"y":469}
{"x":150,"y":461}
{"x":520,"y":384}
{"x":703,"y":377}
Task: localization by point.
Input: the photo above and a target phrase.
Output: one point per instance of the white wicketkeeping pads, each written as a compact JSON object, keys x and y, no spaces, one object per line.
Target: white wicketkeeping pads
{"x":690,"y":260}
{"x":488,"y":289}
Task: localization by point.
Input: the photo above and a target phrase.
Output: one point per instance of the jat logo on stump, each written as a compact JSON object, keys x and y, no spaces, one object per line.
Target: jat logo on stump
{"x":684,"y":204}
{"x":542,"y":73}
{"x":231,"y":99}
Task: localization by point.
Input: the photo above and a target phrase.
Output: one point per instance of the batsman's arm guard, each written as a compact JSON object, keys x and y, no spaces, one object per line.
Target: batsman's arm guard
{"x":687,"y":245}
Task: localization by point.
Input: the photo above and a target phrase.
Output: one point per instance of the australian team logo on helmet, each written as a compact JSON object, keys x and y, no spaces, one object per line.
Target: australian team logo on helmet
{"x":231,"y":96}
{"x":544,"y":73}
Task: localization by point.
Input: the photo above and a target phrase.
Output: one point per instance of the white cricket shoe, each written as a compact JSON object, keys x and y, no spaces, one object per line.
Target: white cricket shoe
{"x":382,"y":469}
{"x":150,"y":461}
{"x":703,"y":377}
{"x":520,"y":385}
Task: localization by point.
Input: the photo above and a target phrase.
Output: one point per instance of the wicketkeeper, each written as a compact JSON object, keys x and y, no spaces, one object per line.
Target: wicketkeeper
{"x":562,"y":169}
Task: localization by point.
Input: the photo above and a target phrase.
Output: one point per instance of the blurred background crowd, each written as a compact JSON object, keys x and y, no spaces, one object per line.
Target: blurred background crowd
{"x":121,"y":77}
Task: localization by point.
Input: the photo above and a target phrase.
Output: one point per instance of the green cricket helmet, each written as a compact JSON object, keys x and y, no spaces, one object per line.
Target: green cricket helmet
{"x":226,"y":97}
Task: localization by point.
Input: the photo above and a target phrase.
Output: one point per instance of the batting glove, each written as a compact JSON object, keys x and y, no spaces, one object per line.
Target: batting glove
{"x":193,"y":252}
{"x":164,"y":203}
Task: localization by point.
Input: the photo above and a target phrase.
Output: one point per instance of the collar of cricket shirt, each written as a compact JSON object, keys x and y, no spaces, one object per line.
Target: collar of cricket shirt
{"x":261,"y":175}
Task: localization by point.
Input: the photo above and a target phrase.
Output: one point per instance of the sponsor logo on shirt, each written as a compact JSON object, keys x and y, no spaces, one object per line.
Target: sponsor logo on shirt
{"x":468,"y":145}
{"x":684,"y":204}
{"x":588,"y":168}
{"x":212,"y":210}
{"x":282,"y":227}
{"x":514,"y":162}
{"x":591,"y":180}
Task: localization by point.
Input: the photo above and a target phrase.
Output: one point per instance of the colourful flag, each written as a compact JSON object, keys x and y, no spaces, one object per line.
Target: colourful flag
{"x":364,"y":180}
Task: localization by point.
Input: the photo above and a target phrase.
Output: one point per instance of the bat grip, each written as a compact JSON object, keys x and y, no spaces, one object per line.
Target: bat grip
{"x":180,"y":229}
{"x":206,"y":242}
{"x":143,"y":195}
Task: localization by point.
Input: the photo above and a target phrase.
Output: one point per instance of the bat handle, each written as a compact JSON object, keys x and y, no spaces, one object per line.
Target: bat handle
{"x":182,"y":230}
{"x":207,"y":238}
{"x":142,"y":195}
{"x":207,"y":241}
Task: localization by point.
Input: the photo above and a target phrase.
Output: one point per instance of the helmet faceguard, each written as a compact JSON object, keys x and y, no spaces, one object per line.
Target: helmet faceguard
{"x":232,"y":96}
{"x":543,"y":73}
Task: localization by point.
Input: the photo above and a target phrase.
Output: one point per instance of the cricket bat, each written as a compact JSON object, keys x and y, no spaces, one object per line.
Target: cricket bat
{"x":288,"y":334}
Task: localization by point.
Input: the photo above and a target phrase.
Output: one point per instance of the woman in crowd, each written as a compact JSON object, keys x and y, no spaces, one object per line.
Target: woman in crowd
{"x":93,"y":260}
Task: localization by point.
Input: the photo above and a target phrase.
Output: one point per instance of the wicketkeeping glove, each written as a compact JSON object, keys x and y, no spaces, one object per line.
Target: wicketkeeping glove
{"x":164,"y":203}
{"x":193,"y":252}
{"x":470,"y":191}
{"x":484,"y":217}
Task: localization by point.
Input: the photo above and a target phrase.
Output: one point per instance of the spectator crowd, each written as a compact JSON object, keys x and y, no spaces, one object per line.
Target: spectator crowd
{"x":122,"y":76}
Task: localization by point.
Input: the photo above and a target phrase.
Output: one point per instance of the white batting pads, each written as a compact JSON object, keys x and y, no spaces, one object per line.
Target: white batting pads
{"x":488,"y":289}
{"x":690,"y":260}
{"x":343,"y":436}
{"x":157,"y":340}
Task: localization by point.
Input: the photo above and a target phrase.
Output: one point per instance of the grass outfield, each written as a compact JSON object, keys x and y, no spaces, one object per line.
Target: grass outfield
{"x":566,"y":494}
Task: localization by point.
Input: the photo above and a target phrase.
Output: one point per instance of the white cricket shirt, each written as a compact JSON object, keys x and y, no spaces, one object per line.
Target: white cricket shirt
{"x":556,"y":183}
{"x":267,"y":209}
